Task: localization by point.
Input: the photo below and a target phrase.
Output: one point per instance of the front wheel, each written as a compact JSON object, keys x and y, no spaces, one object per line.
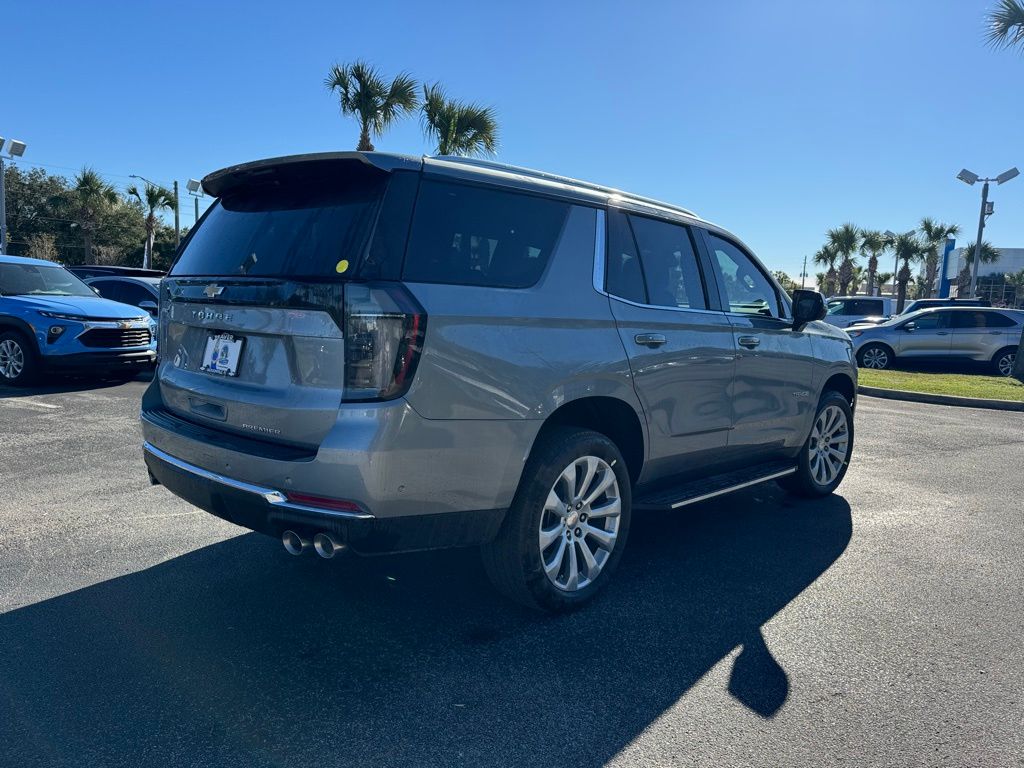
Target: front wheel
{"x":825,"y":457}
{"x":1002,"y":363}
{"x":875,"y":356}
{"x":17,"y":360}
{"x":565,"y":531}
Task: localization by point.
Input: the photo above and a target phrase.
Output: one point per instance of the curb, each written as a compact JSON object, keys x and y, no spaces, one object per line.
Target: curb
{"x":926,"y":397}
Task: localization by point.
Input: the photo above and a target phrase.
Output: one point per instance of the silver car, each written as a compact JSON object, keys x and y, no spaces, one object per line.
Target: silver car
{"x":981,"y":334}
{"x":374,"y":353}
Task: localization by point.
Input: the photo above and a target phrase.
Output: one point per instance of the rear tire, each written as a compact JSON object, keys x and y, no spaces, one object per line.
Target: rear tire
{"x":875,"y":356}
{"x":825,"y":457}
{"x":18,"y":365}
{"x":1002,"y":363}
{"x":565,"y":532}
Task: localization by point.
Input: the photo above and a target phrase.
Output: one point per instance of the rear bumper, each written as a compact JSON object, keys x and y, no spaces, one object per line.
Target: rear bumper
{"x":99,"y":360}
{"x":269,"y":511}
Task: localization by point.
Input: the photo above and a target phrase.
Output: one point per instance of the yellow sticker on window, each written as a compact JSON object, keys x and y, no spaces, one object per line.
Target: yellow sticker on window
{"x":342,"y":267}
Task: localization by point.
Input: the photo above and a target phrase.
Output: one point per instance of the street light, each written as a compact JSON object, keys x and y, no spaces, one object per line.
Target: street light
{"x":177,"y":205}
{"x":889,"y":234}
{"x":15,"y":148}
{"x":970,"y":178}
{"x":195,"y":188}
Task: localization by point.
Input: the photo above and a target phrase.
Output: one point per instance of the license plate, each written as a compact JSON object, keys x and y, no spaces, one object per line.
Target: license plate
{"x":222,"y":354}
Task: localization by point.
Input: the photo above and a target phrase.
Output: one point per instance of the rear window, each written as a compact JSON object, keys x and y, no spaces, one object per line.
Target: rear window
{"x":314,"y":230}
{"x":466,"y":235}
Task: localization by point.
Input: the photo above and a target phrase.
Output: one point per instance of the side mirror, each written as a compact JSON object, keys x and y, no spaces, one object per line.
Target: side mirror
{"x":149,"y":306}
{"x":808,"y":306}
{"x":910,"y":327}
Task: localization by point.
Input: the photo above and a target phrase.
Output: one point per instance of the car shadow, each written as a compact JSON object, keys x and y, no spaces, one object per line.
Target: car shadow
{"x":59,"y":384}
{"x":236,"y":654}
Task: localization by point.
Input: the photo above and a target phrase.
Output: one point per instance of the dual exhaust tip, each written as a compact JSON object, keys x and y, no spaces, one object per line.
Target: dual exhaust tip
{"x":327,"y":545}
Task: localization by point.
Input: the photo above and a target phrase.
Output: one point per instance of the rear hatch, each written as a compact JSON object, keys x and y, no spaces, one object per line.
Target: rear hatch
{"x":253,"y":312}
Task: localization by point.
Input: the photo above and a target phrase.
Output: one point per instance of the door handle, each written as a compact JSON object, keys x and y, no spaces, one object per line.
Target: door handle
{"x":942,"y":333}
{"x":650,"y":339}
{"x":748,"y":341}
{"x":996,"y":333}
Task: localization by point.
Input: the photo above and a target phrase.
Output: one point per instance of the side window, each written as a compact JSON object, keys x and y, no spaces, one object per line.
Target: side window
{"x":747,"y":289}
{"x":866,"y":307}
{"x":669,"y":263}
{"x":135,"y":294}
{"x":466,"y":235}
{"x":981,"y":320}
{"x":109,"y":289}
{"x":932,"y":321}
{"x":625,"y":278}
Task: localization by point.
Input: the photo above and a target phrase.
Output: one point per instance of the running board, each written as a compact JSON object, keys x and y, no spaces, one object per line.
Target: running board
{"x":709,"y":487}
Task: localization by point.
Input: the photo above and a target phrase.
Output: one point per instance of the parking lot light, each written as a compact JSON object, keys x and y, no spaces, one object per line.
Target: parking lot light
{"x":195,"y":188}
{"x":15,"y":148}
{"x":970,"y":178}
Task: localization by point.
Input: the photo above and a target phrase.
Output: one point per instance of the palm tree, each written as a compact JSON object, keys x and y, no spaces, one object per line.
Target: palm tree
{"x":844,"y":240}
{"x":935,"y":234}
{"x":872,"y":244}
{"x":988,"y":255}
{"x":826,"y":256}
{"x":883,"y":278}
{"x":907,"y":248}
{"x":856,"y":279}
{"x":364,"y":94}
{"x":92,"y":197}
{"x":458,"y":128}
{"x":153,"y":200}
{"x":1006,"y":24}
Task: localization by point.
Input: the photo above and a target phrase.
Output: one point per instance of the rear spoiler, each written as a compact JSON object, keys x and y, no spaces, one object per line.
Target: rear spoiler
{"x":277,"y":169}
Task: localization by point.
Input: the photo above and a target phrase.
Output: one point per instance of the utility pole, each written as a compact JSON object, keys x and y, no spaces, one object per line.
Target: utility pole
{"x":177,"y":216}
{"x":803,"y":275}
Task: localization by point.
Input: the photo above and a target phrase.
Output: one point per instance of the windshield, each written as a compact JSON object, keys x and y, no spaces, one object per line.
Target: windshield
{"x":310,"y":230}
{"x":36,"y":280}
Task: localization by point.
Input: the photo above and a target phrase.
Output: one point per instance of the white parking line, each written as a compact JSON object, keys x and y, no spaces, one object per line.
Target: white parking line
{"x":16,"y":401}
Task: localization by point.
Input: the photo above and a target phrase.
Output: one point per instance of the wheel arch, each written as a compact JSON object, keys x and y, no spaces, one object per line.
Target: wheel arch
{"x":8,"y":323}
{"x":614,"y":418}
{"x":843,"y":384}
{"x":1003,"y":350}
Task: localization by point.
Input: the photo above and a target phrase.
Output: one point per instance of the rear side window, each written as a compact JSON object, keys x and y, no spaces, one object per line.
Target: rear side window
{"x":981,"y":320}
{"x":465,"y":235}
{"x":318,"y":229}
{"x":669,"y":263}
{"x":625,"y":276}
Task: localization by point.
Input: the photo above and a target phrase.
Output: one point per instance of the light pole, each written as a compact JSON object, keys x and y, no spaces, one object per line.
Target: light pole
{"x":15,"y":148}
{"x":970,"y":178}
{"x":195,"y":188}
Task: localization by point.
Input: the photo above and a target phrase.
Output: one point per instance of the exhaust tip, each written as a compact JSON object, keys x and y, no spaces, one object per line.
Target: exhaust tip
{"x":293,"y":543}
{"x":327,"y":546}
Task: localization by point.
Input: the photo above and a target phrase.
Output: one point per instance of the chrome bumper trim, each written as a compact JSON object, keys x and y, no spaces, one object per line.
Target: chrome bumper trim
{"x":269,"y":495}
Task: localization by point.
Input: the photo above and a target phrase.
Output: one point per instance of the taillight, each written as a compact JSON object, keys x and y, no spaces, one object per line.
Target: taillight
{"x":384,"y":329}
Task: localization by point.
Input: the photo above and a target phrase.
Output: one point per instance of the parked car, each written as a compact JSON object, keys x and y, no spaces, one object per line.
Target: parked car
{"x":914,"y":306}
{"x":49,"y":319}
{"x":86,"y":271}
{"x":844,"y":311}
{"x":380,"y":353}
{"x":981,"y":334}
{"x":141,"y":292}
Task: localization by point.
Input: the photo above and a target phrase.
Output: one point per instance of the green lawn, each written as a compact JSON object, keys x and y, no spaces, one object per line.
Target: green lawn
{"x":959,"y":384}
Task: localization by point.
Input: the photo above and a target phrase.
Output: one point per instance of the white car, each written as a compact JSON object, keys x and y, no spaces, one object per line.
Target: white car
{"x":844,"y":311}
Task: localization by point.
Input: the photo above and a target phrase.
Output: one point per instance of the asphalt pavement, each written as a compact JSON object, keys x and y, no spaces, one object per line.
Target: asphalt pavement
{"x":881,"y":626}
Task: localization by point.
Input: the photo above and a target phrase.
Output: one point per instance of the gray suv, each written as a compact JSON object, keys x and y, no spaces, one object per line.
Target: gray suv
{"x":378,"y":353}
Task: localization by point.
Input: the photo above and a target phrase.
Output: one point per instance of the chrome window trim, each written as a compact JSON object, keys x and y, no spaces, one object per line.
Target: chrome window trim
{"x":269,"y":495}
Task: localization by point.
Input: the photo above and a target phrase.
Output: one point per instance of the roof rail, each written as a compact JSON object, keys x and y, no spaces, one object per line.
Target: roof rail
{"x":493,"y":164}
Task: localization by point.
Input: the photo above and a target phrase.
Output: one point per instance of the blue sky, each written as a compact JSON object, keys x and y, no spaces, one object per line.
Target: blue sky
{"x":774,"y":119}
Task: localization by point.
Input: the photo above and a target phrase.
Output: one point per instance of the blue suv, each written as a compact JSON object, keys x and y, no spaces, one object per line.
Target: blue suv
{"x":49,"y":319}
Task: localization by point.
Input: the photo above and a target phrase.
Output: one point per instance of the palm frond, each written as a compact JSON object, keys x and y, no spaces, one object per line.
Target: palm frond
{"x":458,"y":128}
{"x":1005,"y":25}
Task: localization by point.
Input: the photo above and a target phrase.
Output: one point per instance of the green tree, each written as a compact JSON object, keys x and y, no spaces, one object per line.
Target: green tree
{"x":872,"y":244}
{"x":934,"y":233}
{"x":883,"y":278}
{"x":827,"y":256}
{"x":844,"y":241}
{"x":788,"y":284}
{"x":154,"y":200}
{"x":1006,"y":24}
{"x":456,"y":127}
{"x":363,"y":93}
{"x":92,"y":198}
{"x":908,"y":249}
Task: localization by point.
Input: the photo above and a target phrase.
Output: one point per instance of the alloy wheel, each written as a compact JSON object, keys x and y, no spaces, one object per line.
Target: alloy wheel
{"x":1006,"y":362}
{"x":12,"y":359}
{"x":829,"y":444}
{"x":580,"y":523}
{"x":875,"y":357}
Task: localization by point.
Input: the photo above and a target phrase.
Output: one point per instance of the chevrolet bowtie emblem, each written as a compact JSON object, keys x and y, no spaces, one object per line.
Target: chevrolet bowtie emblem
{"x":214,"y":290}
